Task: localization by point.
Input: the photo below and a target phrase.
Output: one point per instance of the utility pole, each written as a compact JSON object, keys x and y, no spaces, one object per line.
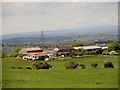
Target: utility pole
{"x":42,"y":38}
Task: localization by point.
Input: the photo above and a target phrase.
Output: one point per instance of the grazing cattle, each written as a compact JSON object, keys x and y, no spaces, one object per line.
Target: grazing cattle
{"x":94,"y":65}
{"x":13,"y":67}
{"x":108,"y":64}
{"x":29,"y":68}
{"x":82,"y":66}
{"x":19,"y":67}
{"x":71,"y":65}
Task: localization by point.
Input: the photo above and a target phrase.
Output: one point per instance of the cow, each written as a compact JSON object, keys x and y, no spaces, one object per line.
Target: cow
{"x":13,"y":67}
{"x":82,"y":66}
{"x":94,"y":65}
{"x":29,"y":68}
{"x":19,"y":67}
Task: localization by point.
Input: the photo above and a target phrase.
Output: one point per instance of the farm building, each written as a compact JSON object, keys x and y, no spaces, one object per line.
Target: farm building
{"x":34,"y":50}
{"x":88,"y":48}
{"x":34,"y":53}
{"x":62,"y":50}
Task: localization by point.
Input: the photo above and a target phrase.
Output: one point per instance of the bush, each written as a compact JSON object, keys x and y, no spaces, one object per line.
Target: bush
{"x":41,"y":65}
{"x":4,"y":55}
{"x":113,"y":53}
{"x":108,"y":64}
{"x":15,"y":55}
{"x":71,"y":65}
{"x":21,"y":55}
{"x":90,"y":53}
{"x":105,"y":52}
{"x":99,"y":51}
{"x":114,"y":46}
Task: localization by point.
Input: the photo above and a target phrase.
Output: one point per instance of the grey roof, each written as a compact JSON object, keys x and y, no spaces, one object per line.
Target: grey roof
{"x":87,"y":47}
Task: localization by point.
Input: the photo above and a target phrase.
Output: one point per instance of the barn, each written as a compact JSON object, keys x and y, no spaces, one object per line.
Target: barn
{"x":88,"y":48}
{"x":62,"y":50}
{"x":33,"y":53}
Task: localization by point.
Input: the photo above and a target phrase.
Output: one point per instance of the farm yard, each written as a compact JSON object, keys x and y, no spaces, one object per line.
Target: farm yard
{"x":59,"y":76}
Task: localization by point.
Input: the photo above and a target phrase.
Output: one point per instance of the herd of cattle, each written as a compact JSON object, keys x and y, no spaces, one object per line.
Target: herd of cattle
{"x":71,"y":65}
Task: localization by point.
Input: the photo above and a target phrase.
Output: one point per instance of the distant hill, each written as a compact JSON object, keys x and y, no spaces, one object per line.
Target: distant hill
{"x":61,"y":35}
{"x":34,"y":39}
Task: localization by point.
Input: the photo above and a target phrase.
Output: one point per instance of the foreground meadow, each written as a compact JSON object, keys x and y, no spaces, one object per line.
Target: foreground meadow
{"x":59,"y":77}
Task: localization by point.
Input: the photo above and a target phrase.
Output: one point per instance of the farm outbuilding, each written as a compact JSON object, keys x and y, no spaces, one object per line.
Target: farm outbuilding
{"x":32,"y":50}
{"x":34,"y":53}
{"x":88,"y":48}
{"x":62,"y":50}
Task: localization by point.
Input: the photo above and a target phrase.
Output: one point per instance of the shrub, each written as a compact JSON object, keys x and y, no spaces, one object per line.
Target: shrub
{"x":71,"y":65}
{"x":99,"y":51}
{"x":105,"y":52}
{"x":4,"y":55}
{"x":113,"y":53}
{"x":42,"y":65}
{"x":108,"y":64}
{"x":114,"y":46}
{"x":15,"y":55}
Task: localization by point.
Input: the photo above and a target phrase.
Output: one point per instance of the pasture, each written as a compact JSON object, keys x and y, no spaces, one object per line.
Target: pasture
{"x":59,"y":77}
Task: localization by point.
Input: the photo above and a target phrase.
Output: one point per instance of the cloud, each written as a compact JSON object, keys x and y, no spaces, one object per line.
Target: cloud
{"x":28,"y":16}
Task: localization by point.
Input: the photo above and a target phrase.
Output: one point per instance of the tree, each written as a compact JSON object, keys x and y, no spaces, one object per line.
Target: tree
{"x":16,"y":50}
{"x":3,"y":55}
{"x":114,"y":46}
{"x":78,"y":52}
{"x":82,"y":51}
{"x":105,"y":52}
{"x":75,"y":44}
{"x":99,"y":51}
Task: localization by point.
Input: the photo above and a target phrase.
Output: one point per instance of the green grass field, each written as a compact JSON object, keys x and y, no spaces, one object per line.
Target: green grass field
{"x":0,"y":73}
{"x":59,"y":77}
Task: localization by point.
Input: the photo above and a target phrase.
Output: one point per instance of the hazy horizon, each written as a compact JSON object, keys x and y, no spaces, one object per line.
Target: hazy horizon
{"x":20,"y":17}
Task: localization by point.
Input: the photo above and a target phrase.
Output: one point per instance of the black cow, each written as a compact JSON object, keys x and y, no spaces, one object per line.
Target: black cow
{"x":13,"y":67}
{"x":19,"y":67}
{"x":29,"y":68}
{"x":94,"y":65}
{"x":108,"y":64}
{"x":83,"y":66}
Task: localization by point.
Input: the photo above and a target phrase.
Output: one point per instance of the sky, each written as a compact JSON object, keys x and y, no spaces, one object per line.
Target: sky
{"x":19,"y":17}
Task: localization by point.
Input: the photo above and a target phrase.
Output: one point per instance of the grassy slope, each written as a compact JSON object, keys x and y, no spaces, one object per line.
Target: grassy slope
{"x":59,"y":77}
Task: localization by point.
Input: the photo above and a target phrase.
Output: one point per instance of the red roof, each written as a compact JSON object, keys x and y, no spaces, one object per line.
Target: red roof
{"x":36,"y":53}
